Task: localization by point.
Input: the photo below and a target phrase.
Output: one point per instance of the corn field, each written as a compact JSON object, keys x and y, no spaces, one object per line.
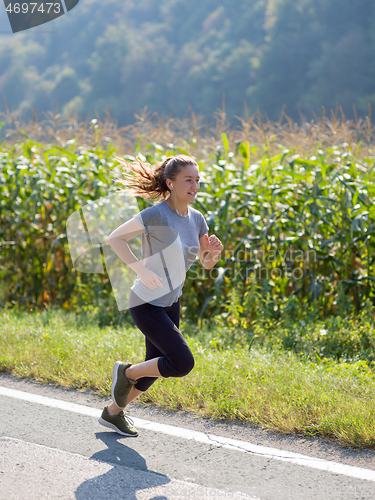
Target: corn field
{"x":291,"y":203}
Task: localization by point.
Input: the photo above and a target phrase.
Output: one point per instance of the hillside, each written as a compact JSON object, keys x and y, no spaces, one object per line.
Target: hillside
{"x":174,"y":54}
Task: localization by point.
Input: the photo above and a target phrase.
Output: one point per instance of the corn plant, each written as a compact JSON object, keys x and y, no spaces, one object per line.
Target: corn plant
{"x":39,"y":188}
{"x":292,"y":205}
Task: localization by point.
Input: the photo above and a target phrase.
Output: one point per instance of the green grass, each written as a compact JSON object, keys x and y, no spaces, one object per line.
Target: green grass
{"x":276,"y":389}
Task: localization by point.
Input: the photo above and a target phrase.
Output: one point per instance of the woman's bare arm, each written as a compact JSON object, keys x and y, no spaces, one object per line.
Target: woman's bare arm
{"x":119,"y":238}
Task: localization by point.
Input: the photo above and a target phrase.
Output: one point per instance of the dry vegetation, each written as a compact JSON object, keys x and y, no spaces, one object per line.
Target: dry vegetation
{"x":201,"y":134}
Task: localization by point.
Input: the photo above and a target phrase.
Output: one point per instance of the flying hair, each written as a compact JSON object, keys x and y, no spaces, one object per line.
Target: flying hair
{"x":149,"y":181}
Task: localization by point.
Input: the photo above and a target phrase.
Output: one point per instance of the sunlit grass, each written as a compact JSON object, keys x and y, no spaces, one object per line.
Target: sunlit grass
{"x":275,"y":389}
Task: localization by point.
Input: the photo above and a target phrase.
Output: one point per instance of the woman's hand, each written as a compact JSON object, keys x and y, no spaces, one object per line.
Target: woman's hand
{"x":149,"y":278}
{"x":213,"y":245}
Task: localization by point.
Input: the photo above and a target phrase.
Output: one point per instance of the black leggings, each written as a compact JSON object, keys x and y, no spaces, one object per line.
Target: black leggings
{"x":163,"y":340}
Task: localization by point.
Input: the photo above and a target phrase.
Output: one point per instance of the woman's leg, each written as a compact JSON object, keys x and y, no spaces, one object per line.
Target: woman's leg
{"x":167,"y":352}
{"x":144,"y":369}
{"x":165,"y":348}
{"x":148,"y":369}
{"x":113,"y":409}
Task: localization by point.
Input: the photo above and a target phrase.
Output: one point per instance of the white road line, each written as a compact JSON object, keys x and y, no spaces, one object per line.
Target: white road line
{"x":201,"y":437}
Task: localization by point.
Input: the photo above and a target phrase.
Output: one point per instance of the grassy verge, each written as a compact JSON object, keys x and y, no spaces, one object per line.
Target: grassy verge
{"x":275,"y":388}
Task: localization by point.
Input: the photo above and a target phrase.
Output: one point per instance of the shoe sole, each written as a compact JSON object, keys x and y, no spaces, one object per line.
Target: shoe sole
{"x":113,"y":427}
{"x":114,"y":381}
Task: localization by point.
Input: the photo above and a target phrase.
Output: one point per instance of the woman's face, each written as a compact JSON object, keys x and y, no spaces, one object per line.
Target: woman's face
{"x":186,"y":184}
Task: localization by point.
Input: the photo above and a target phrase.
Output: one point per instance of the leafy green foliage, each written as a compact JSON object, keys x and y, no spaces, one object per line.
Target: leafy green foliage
{"x":297,"y":229}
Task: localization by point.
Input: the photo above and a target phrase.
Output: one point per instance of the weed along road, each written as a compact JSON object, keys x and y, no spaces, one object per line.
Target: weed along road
{"x":51,"y":446}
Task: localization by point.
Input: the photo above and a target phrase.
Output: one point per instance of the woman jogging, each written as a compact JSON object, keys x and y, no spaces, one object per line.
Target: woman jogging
{"x":173,"y":234}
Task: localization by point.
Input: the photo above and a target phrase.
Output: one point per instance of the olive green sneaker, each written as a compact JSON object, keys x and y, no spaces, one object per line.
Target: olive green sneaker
{"x":121,"y":385}
{"x":120,"y":423}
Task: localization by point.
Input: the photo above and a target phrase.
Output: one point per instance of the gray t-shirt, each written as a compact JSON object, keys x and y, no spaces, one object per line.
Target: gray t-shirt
{"x":170,"y":245}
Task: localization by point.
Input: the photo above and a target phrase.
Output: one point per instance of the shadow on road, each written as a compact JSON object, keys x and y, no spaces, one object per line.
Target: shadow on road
{"x":120,"y":482}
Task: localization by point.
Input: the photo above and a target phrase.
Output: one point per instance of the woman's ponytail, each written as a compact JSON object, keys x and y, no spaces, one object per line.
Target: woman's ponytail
{"x":149,"y":182}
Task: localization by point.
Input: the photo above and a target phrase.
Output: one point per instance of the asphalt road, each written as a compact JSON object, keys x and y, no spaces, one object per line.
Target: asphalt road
{"x":48,"y":452}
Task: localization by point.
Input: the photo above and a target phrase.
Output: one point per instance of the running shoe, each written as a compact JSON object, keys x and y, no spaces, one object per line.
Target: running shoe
{"x":121,"y":385}
{"x":120,"y":423}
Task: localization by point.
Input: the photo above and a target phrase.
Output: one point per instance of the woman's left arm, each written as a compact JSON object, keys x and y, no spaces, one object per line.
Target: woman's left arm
{"x":210,"y":250}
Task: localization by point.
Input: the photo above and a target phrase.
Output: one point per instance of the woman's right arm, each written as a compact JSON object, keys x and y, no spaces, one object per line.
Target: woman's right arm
{"x":118,"y":240}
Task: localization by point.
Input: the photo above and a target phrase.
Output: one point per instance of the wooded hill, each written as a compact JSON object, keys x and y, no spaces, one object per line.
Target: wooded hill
{"x":172,"y":54}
